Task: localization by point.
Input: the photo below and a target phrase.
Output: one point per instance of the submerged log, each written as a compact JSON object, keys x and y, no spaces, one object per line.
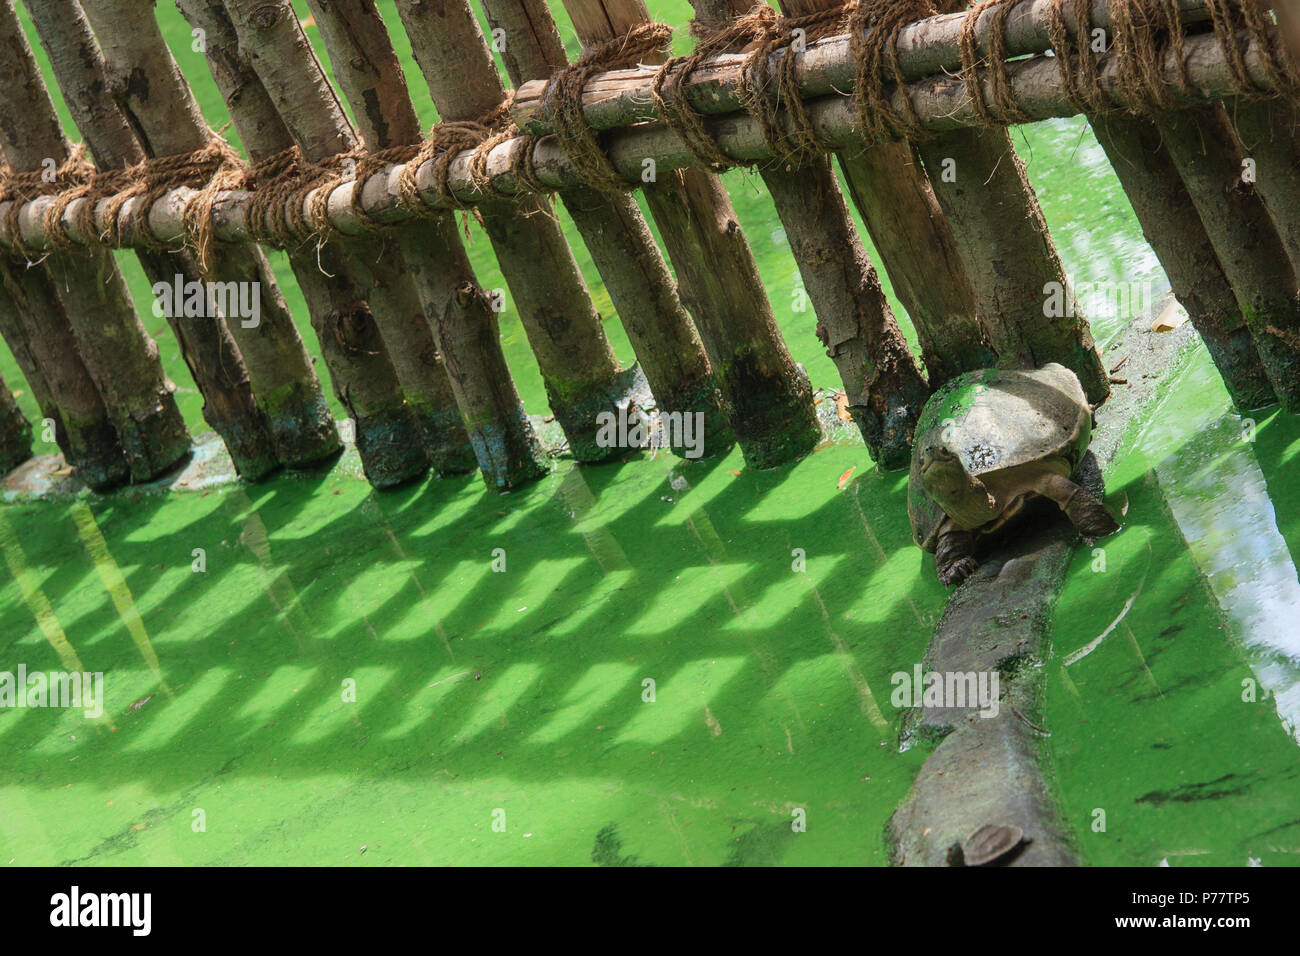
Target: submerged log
{"x":1205,"y":151}
{"x":117,"y":351}
{"x":370,"y":75}
{"x":767,"y":395}
{"x":1175,"y":232}
{"x":387,"y":436}
{"x":36,"y":328}
{"x":666,"y":343}
{"x":167,"y":121}
{"x":581,"y":374}
{"x":15,"y":432}
{"x":884,"y":387}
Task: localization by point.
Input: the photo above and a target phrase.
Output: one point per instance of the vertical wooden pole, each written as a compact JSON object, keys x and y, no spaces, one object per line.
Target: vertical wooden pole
{"x":116,"y":131}
{"x":1174,"y":229}
{"x":577,"y":363}
{"x":767,"y":395}
{"x":15,"y":432}
{"x":370,"y":75}
{"x":1208,"y":157}
{"x":621,"y":246}
{"x":881,"y":379}
{"x":362,"y":375}
{"x":1269,"y":132}
{"x":36,"y":328}
{"x":118,"y":352}
{"x":892,"y":192}
{"x":279,"y":53}
{"x":206,"y":345}
{"x":1009,"y":254}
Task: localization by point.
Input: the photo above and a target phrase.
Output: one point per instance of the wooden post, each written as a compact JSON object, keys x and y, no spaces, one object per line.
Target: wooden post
{"x":37,"y":331}
{"x":1205,"y":151}
{"x":881,"y":379}
{"x":361,"y":373}
{"x":1009,"y":255}
{"x":279,"y":53}
{"x":206,"y":345}
{"x":508,"y":451}
{"x":1174,"y":229}
{"x":370,"y":76}
{"x":767,"y":395}
{"x":118,"y":352}
{"x":163,"y":121}
{"x":892,"y":193}
{"x":377,"y":263}
{"x":1269,"y":132}
{"x":15,"y":432}
{"x":621,"y":246}
{"x":578,"y":366}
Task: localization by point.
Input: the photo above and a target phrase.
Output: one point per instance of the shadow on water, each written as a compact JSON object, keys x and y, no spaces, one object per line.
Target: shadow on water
{"x":349,"y":668}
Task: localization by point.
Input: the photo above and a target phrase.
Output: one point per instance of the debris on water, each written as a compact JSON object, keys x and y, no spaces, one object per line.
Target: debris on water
{"x":842,"y":407}
{"x":1171,"y":317}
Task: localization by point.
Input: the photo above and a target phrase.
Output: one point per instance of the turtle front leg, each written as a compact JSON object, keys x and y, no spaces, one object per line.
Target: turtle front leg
{"x":953,"y":553}
{"x":1088,"y":515}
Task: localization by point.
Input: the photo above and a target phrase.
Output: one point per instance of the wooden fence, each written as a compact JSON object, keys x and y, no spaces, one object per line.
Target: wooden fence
{"x":1194,"y":102}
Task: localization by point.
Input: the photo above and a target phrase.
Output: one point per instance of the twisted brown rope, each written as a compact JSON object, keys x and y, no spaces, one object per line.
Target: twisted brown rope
{"x":1004,"y":109}
{"x":773,"y":33}
{"x":21,"y":187}
{"x":1076,"y":61}
{"x":873,"y":31}
{"x":563,"y":98}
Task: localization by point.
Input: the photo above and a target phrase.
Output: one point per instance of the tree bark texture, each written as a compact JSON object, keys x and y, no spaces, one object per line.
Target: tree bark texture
{"x":118,"y":352}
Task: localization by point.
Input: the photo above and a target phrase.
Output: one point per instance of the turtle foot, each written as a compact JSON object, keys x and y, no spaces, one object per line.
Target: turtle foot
{"x":955,"y":572}
{"x":1090,"y":517}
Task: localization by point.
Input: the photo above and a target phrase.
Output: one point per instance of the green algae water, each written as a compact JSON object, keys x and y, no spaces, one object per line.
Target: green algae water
{"x":651,"y":662}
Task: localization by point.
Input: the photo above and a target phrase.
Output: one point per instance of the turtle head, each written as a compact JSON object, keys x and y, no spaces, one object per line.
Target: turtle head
{"x":961,"y":495}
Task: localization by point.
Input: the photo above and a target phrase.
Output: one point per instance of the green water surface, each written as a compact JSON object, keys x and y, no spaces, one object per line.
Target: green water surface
{"x":648,"y":662}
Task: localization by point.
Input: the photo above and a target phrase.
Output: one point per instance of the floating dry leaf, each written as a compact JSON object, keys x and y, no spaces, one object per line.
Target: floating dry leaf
{"x":842,"y":407}
{"x":1171,"y":317}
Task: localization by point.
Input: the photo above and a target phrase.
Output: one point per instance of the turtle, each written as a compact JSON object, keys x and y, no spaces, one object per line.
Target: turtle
{"x":986,"y":442}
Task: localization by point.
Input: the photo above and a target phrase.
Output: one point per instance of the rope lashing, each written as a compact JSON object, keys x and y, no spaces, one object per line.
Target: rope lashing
{"x":563,"y":97}
{"x":1147,"y":40}
{"x":73,"y":176}
{"x":761,"y":33}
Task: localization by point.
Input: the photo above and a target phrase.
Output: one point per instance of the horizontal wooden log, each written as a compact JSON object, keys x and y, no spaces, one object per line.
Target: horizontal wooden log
{"x":942,"y":103}
{"x":926,"y":48}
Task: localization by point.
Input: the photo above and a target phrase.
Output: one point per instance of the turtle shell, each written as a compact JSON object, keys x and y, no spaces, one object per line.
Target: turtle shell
{"x":993,"y":419}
